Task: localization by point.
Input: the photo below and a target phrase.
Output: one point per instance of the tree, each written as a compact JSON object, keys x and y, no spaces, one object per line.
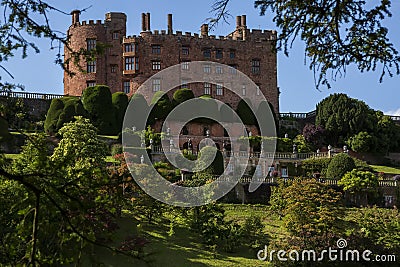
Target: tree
{"x":362,"y":142}
{"x":314,"y":135}
{"x":62,"y":203}
{"x":339,"y":165}
{"x":343,"y":117}
{"x":360,"y":184}
{"x":161,"y":106}
{"x":336,"y":34}
{"x":313,"y":217}
{"x":97,"y":101}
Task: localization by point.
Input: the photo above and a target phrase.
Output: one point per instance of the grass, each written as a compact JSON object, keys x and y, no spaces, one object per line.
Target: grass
{"x":183,"y":248}
{"x":386,"y":169}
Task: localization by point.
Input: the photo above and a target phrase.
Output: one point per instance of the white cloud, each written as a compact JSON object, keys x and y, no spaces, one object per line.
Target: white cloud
{"x":393,"y":112}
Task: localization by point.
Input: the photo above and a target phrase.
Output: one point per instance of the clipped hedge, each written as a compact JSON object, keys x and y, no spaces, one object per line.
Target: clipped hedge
{"x":340,"y":165}
{"x":182,"y":95}
{"x":245,"y":112}
{"x":120,"y":103}
{"x":315,"y":165}
{"x":61,"y":111}
{"x":97,"y":101}
{"x":138,"y":106}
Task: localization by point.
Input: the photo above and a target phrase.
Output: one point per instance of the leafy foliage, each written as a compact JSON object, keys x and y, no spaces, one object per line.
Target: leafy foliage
{"x":315,"y":165}
{"x":336,"y":34}
{"x":245,"y":113}
{"x":182,"y":95}
{"x":360,"y":183}
{"x":211,"y":155}
{"x":161,"y":106}
{"x":361,"y":142}
{"x":61,"y":111}
{"x":97,"y":101}
{"x":339,"y":165}
{"x":343,"y":117}
{"x":120,"y":103}
{"x":314,"y":135}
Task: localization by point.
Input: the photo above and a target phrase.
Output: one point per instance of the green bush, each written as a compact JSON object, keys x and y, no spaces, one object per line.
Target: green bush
{"x":245,"y":112}
{"x":138,"y":105}
{"x":4,"y":134}
{"x":182,"y":95}
{"x":315,"y":165}
{"x":97,"y":101}
{"x":120,"y":103}
{"x":161,"y":106}
{"x":339,"y":165}
{"x":116,"y":149}
{"x":205,"y":155}
{"x":61,"y":111}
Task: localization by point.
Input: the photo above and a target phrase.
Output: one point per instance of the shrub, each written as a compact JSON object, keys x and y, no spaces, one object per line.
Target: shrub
{"x":205,"y":155}
{"x":61,"y":111}
{"x":339,"y":165}
{"x":361,"y":142}
{"x":116,"y":149}
{"x":315,"y":165}
{"x":138,"y":105}
{"x":97,"y":101}
{"x":182,"y":95}
{"x":120,"y":103}
{"x":245,"y":112}
{"x":161,"y":106}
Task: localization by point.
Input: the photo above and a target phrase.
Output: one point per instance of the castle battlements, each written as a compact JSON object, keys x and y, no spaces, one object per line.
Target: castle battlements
{"x":129,"y":60}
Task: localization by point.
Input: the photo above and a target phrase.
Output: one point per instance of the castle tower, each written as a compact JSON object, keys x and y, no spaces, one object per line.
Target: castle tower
{"x":107,"y":66}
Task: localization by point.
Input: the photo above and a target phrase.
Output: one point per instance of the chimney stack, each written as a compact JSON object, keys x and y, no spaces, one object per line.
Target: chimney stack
{"x":144,"y":22}
{"x":204,"y":30}
{"x":238,"y":21}
{"x":75,"y":16}
{"x":148,"y":21}
{"x":170,"y":31}
{"x":244,"y":21}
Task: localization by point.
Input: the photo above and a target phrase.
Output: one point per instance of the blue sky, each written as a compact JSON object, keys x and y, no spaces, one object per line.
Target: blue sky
{"x":298,"y":94}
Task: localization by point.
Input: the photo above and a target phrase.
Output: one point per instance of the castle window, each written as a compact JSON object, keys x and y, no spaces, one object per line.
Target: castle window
{"x":207,"y":53}
{"x":131,"y":63}
{"x":91,"y":66}
{"x":219,"y":54}
{"x":185,"y":65}
{"x":114,"y":68}
{"x":131,"y":47}
{"x":233,"y":69}
{"x":219,"y":89}
{"x":207,"y":88}
{"x":255,"y":66}
{"x":156,"y":49}
{"x":90,"y":83}
{"x":90,"y":44}
{"x":156,"y":65}
{"x":232,"y":54}
{"x":243,"y":89}
{"x":115,"y":35}
{"x":185,"y":51}
{"x":207,"y":68}
{"x":156,"y":84}
{"x":218,"y":70}
{"x":127,"y":87}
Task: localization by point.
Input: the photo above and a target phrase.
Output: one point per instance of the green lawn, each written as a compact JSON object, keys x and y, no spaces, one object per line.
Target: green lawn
{"x":386,"y":169}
